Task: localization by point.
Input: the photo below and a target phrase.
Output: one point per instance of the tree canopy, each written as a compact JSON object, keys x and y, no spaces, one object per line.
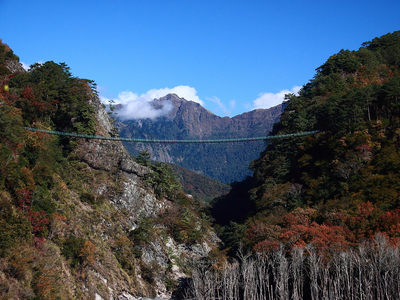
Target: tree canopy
{"x":329,"y":178}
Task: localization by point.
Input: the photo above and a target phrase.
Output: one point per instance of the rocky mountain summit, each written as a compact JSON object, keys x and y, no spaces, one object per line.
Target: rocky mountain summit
{"x":189,"y":120}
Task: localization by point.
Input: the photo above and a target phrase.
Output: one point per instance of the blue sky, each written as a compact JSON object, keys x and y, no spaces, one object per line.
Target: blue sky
{"x":231,"y":56}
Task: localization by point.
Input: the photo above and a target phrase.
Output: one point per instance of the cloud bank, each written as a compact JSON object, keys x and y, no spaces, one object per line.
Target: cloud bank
{"x":139,"y":107}
{"x":221,"y":106}
{"x":267,"y":100}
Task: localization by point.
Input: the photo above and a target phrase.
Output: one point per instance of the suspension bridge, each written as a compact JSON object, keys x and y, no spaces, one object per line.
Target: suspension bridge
{"x":134,"y":140}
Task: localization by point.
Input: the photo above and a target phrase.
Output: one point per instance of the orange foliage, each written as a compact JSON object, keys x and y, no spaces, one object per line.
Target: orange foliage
{"x":24,"y":200}
{"x":88,"y":252}
{"x":218,"y":259}
{"x":38,"y":220}
{"x":266,"y":246}
{"x":20,"y":261}
{"x":323,"y":237}
{"x":339,"y":233}
{"x":44,"y":287}
{"x":364,"y":223}
{"x":27,"y":177}
{"x":124,"y":245}
{"x":298,"y":230}
{"x":37,"y":139}
{"x":389,"y":223}
{"x":262,"y":231}
{"x":27,"y":93}
{"x":366,"y":77}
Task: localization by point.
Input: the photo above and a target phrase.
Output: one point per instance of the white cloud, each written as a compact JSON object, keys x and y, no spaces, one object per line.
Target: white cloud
{"x":138,"y":107}
{"x":25,"y":66}
{"x":183,"y":91}
{"x":267,"y":100}
{"x":221,"y":106}
{"x":232,"y":104}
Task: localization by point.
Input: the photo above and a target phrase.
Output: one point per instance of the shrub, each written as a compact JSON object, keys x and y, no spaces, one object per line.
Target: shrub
{"x":71,"y":249}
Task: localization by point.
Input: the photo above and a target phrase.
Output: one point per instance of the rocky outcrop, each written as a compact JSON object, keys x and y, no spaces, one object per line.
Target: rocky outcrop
{"x":128,"y":194}
{"x":110,"y":156}
{"x":14,"y":66}
{"x":91,"y":226}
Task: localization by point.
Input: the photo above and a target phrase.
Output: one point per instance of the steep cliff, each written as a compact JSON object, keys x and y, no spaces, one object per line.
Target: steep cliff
{"x":136,"y":202}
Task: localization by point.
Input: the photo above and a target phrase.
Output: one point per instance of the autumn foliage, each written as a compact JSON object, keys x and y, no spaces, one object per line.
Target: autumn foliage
{"x":299,"y":230}
{"x":335,"y":189}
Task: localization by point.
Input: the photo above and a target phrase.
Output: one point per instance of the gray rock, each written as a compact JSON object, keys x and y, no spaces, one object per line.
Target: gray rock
{"x":14,"y":66}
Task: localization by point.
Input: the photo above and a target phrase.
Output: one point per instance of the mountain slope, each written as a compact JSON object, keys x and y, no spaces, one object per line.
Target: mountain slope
{"x":338,"y":187}
{"x":79,"y":219}
{"x":189,"y":120}
{"x":201,"y":187}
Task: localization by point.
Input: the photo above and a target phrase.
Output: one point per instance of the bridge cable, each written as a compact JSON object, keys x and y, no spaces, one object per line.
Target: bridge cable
{"x":134,"y":140}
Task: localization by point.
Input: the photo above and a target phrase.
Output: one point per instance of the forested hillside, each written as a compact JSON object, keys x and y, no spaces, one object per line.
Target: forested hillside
{"x":79,"y":219}
{"x":199,"y":186}
{"x":335,"y":190}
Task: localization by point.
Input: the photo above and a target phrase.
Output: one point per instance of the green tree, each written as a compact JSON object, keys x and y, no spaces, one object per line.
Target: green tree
{"x":143,"y":158}
{"x":162,"y":180}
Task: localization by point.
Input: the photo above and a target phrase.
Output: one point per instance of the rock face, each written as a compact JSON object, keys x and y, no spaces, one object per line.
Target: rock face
{"x":135,"y":201}
{"x":189,"y":120}
{"x":198,"y":122}
{"x":111,"y":156}
{"x":14,"y":66}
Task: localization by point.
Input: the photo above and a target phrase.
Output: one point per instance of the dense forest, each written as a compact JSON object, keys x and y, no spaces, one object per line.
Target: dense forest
{"x":333,"y":191}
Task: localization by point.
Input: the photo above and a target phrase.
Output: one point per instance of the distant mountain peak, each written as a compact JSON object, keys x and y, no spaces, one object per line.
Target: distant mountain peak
{"x":180,"y":105}
{"x":189,"y":120}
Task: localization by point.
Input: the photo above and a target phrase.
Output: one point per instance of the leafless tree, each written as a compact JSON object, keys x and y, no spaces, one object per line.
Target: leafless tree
{"x":262,"y":269}
{"x":314,"y":265}
{"x":372,"y":271}
{"x":230,"y":280}
{"x":247,"y":277}
{"x":297,"y":273}
{"x":281,"y":274}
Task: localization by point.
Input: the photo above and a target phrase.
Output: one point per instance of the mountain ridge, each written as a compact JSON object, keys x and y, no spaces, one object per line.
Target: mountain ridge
{"x":183,"y":108}
{"x":189,"y":120}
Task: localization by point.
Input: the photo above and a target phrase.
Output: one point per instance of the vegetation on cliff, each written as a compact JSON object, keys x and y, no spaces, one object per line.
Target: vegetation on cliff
{"x":78,"y":218}
{"x":199,"y":186}
{"x":325,"y":207}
